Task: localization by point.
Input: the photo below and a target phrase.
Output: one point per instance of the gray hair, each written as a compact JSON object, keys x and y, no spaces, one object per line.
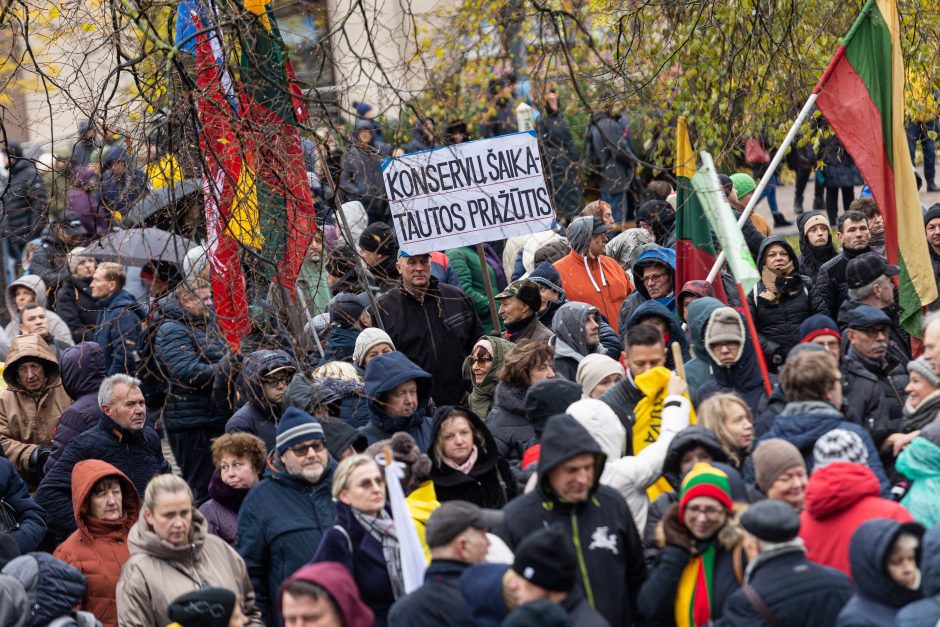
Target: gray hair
{"x":930,"y":319}
{"x":106,"y":391}
{"x":863,"y":292}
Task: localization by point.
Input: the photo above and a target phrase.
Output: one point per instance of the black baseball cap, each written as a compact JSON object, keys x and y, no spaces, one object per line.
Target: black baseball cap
{"x":599,"y":227}
{"x":866,"y":268}
{"x":454,"y":517}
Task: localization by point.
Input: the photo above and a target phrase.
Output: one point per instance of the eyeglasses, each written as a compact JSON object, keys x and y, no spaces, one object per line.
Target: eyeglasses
{"x":482,"y":360}
{"x":300,"y":450}
{"x":874,"y":331}
{"x":655,"y":278}
{"x":708,"y":512}
{"x":277,"y":380}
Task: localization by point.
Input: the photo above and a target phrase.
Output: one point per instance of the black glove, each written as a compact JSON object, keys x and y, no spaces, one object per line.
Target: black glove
{"x":39,"y":457}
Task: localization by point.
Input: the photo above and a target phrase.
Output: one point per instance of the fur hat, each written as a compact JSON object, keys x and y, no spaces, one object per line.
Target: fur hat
{"x":405,"y":450}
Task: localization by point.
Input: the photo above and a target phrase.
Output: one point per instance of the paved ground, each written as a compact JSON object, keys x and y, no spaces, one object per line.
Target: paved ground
{"x":785,"y":202}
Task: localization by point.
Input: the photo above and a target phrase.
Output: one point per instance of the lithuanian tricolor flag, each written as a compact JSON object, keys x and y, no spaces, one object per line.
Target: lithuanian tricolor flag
{"x":862,"y":96}
{"x":695,"y":250}
{"x":273,"y":187}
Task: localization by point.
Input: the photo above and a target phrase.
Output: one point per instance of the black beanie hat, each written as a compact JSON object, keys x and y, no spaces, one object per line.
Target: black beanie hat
{"x":547,"y":559}
{"x":207,"y":607}
{"x":379,"y":238}
{"x":932,"y":212}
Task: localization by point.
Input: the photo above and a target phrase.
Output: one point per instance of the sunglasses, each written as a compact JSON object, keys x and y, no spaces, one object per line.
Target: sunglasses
{"x":300,"y":450}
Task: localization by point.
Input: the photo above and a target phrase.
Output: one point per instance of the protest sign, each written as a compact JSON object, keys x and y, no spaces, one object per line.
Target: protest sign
{"x":468,"y":193}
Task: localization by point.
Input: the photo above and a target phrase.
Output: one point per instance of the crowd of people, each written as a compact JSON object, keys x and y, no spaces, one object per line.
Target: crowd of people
{"x":604,"y":451}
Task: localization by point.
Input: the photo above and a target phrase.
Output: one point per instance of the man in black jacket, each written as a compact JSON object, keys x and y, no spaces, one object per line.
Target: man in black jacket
{"x":545,"y":567}
{"x":23,"y":203}
{"x":456,"y":536}
{"x":781,"y":586}
{"x":873,"y":380}
{"x":830,"y":289}
{"x":868,"y":278}
{"x":595,"y":518}
{"x":434,"y":324}
{"x":120,"y":438}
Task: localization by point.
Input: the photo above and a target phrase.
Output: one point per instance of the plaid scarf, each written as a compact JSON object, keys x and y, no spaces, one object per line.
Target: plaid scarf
{"x":382,"y":528}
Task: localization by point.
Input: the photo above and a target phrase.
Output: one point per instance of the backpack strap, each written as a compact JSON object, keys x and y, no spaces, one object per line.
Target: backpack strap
{"x":737,"y":562}
{"x":758,"y":602}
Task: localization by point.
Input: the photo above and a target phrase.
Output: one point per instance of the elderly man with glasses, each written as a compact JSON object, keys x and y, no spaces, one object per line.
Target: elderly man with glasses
{"x":284,"y":517}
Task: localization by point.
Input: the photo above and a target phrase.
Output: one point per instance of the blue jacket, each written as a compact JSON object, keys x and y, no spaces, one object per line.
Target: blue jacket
{"x":383,"y":374}
{"x":662,"y":256}
{"x":82,"y":369}
{"x":119,"y":318}
{"x":364,"y":560}
{"x":119,"y":191}
{"x":188,"y":351}
{"x":438,"y":602}
{"x":652,"y":308}
{"x":797,"y":591}
{"x":31,"y":516}
{"x":339,"y":345}
{"x":926,"y":612}
{"x":280,"y":525}
{"x":138,"y":455}
{"x":802,"y":423}
{"x":878,"y":597}
{"x":258,"y":416}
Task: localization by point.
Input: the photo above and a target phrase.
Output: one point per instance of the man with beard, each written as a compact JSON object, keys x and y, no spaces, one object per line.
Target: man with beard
{"x":577,"y":335}
{"x":284,"y":517}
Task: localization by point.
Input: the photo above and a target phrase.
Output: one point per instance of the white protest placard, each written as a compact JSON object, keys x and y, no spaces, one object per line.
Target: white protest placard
{"x":469,"y":193}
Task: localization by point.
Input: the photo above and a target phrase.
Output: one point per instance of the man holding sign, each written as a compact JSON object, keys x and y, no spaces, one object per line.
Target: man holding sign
{"x":433,"y":323}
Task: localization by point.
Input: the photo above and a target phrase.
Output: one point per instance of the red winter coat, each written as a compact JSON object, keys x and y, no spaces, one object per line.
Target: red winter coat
{"x":98,"y":548}
{"x":607,"y":294}
{"x":839,"y":498}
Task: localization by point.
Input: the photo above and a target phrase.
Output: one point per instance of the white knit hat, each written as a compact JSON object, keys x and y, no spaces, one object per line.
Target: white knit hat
{"x":368,"y":339}
{"x":593,"y":369}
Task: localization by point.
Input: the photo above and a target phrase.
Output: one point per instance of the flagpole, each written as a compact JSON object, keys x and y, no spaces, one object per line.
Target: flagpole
{"x":774,"y":163}
{"x":752,"y":331}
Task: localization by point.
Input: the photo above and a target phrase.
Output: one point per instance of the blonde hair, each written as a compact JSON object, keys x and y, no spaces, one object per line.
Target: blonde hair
{"x":712,"y":413}
{"x":113,"y":272}
{"x":346,"y":468}
{"x":164,"y":483}
{"x":338,"y":370}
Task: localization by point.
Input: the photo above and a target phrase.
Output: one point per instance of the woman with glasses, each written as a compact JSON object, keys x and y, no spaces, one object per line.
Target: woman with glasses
{"x":239,"y":462}
{"x":482,"y":366}
{"x":701,"y":560}
{"x":363,"y":538}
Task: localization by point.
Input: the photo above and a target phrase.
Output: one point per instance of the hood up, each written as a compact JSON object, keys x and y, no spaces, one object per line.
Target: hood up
{"x":85,"y":474}
{"x":563,"y":439}
{"x":31,"y":281}
{"x":338,"y":582}
{"x":699,"y":312}
{"x":30,"y":347}
{"x":568,"y":326}
{"x":82,"y":369}
{"x":658,"y":255}
{"x":685,"y":441}
{"x":383,"y":374}
{"x":868,"y":554}
{"x":837,"y":487}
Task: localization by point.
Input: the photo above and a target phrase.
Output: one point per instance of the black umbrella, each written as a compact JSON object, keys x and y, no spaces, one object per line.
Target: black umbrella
{"x":159,"y":199}
{"x":138,"y":246}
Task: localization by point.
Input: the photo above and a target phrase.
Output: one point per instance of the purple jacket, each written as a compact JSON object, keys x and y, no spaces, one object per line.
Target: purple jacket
{"x":82,"y":198}
{"x":82,"y":371}
{"x":221,"y":510}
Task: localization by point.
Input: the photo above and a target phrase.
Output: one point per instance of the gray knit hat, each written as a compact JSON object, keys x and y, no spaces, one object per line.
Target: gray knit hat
{"x":922,"y":367}
{"x":839,"y":445}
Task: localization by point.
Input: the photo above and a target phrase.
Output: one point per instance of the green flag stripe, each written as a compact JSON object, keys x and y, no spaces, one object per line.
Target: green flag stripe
{"x":868,"y":49}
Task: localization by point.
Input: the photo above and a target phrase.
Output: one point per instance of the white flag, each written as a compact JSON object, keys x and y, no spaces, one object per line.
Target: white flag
{"x":413,"y":562}
{"x":724,"y":224}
